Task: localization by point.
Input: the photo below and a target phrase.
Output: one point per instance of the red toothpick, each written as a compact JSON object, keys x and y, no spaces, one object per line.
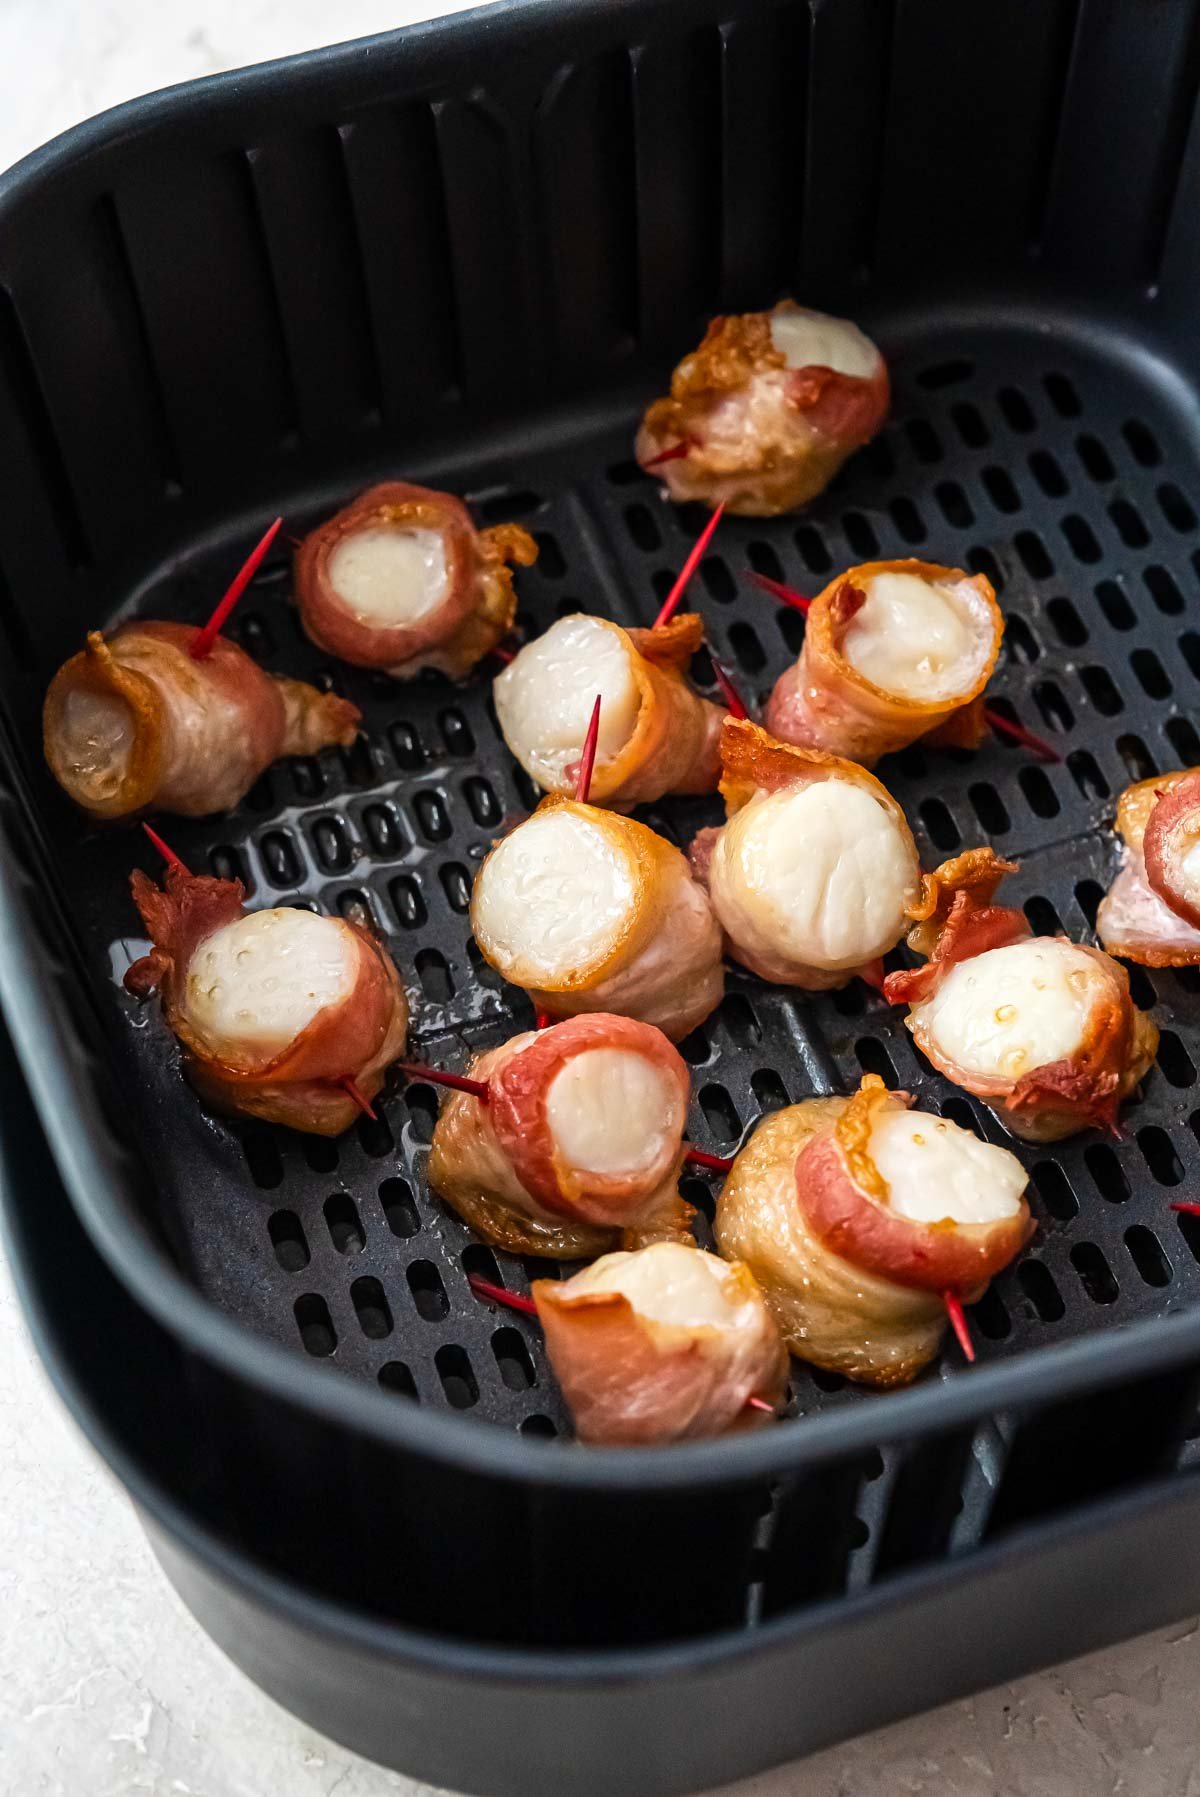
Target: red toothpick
{"x":958,"y":1322}
{"x":760,"y":1404}
{"x":587,"y":761}
{"x":458,"y":1082}
{"x":165,"y":850}
{"x":1017,"y":733}
{"x":717,"y":1163}
{"x":351,"y":1088}
{"x":684,"y":447}
{"x":1188,"y":1210}
{"x":729,"y":691}
{"x":541,"y":1020}
{"x":201,"y":644}
{"x":777,"y":590}
{"x":496,"y":1294}
{"x":689,"y":567}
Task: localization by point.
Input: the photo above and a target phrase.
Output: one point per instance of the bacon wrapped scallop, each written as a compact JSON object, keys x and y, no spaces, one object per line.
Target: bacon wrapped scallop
{"x":665,"y":1344}
{"x":656,"y":735}
{"x":1151,"y":913}
{"x":857,"y":1216}
{"x":591,"y":911}
{"x":275,"y":1010}
{"x":1043,"y":1029}
{"x":892,"y":651}
{"x":401,"y":580}
{"x":134,"y":723}
{"x":815,"y":875}
{"x":578,"y":1145}
{"x":765,"y":412}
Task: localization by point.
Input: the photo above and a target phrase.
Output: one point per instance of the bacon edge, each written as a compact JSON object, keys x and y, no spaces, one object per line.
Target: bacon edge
{"x":632,"y":1381}
{"x":495,"y":1163}
{"x":844,"y":1198}
{"x":358,"y":1037}
{"x":479,"y":606}
{"x":823,"y":702}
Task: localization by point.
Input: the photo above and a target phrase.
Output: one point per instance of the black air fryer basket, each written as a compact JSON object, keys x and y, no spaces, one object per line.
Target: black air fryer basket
{"x":468,"y":254}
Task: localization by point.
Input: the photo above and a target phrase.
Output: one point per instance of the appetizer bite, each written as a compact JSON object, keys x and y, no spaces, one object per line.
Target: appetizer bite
{"x":591,"y":911}
{"x":572,"y":1142}
{"x":401,"y":580}
{"x":1151,"y":913}
{"x":892,"y":651}
{"x":765,"y":412}
{"x":656,"y":735}
{"x":1043,"y":1029}
{"x":281,"y":1014}
{"x":138,"y":721}
{"x":859,"y":1216}
{"x":815,"y":875}
{"x":665,"y":1344}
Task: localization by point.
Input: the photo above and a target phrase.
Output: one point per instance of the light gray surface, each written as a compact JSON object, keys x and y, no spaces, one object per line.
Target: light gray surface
{"x":107,"y":1687}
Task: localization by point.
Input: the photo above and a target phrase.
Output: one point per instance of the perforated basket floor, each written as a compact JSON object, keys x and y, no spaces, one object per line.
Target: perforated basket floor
{"x":1057,"y":473}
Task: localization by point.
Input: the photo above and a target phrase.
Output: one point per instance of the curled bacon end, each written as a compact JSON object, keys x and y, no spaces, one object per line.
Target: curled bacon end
{"x":786,"y":595}
{"x":729,"y":691}
{"x":206,"y":636}
{"x":958,"y":1322}
{"x":458,"y":1082}
{"x":504,"y":654}
{"x":689,"y":568}
{"x":872,"y":975}
{"x":165,"y":850}
{"x":496,"y":1294}
{"x":1017,"y":733}
{"x":351,"y":1088}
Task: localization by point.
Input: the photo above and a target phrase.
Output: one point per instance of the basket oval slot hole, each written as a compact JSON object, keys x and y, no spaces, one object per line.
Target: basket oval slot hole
{"x":720,"y":1114}
{"x":513,"y":1359}
{"x":288,"y":1240}
{"x":1147,"y":1255}
{"x":342,"y":1221}
{"x":1095,"y":1274}
{"x":395,"y":1377}
{"x":371,"y":1308}
{"x":1037,"y":1282}
{"x":428,"y":1292}
{"x":315,"y":1325}
{"x":1158,"y":1152}
{"x":1108,"y":1175}
{"x":399,"y":1208}
{"x":458,"y":1380}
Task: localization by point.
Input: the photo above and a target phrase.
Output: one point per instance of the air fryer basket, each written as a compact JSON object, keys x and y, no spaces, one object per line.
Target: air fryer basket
{"x":726,"y":1705}
{"x":467,"y":253}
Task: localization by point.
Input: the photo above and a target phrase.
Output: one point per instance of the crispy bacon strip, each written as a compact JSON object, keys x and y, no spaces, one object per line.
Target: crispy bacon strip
{"x":664,"y":964}
{"x":1170,"y":845}
{"x":500,"y":1165}
{"x":300,"y":1086}
{"x":855,"y":1286}
{"x":1117,"y":1042}
{"x":632,"y":1378}
{"x":824,"y":702}
{"x":134,"y":723}
{"x":478,"y":606}
{"x":1136,"y":919}
{"x":762,"y":436}
{"x":672,"y":747}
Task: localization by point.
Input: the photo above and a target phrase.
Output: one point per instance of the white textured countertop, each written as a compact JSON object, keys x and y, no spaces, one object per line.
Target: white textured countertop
{"x":107,"y":1687}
